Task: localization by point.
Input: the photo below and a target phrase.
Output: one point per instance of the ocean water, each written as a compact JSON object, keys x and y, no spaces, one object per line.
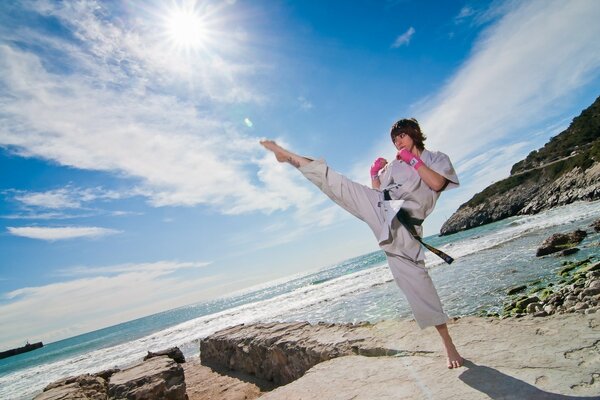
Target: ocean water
{"x":488,"y":261}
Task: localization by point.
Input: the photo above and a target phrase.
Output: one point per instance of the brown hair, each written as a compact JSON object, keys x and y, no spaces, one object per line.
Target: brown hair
{"x":410,"y":127}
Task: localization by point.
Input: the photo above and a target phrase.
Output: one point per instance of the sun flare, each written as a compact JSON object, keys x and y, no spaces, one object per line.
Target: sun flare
{"x":186,"y":28}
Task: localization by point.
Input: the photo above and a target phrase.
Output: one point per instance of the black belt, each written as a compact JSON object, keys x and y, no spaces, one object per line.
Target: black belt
{"x":409,"y":223}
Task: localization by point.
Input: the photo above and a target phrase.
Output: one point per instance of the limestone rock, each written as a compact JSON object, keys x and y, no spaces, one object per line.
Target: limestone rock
{"x":282,"y":352}
{"x":554,"y":357}
{"x":203,"y":383}
{"x":560,"y":241}
{"x":173,"y":353}
{"x":157,"y":378}
{"x":77,"y":387}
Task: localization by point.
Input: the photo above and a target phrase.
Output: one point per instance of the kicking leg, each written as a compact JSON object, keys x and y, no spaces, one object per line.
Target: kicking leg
{"x":283,"y":155}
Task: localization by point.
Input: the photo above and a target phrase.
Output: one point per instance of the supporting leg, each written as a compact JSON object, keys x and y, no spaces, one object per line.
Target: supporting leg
{"x":454,"y":359}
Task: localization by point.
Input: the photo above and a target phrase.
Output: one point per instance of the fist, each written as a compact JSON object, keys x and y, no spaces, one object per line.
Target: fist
{"x":409,"y":158}
{"x":377,"y":166}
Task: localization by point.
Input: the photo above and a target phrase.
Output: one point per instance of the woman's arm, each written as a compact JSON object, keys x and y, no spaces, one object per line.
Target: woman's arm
{"x":375,"y":182}
{"x":434,"y":180}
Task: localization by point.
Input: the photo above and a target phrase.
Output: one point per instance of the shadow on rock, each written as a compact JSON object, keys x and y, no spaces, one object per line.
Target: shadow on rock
{"x":498,"y":386}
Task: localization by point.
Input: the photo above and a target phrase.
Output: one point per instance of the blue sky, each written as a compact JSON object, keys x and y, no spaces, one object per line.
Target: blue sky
{"x":131,"y":178}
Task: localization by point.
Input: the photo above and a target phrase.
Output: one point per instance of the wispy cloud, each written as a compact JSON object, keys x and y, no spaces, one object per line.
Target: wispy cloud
{"x":464,"y":13}
{"x":404,"y":39}
{"x":118,"y":105}
{"x":67,"y":197}
{"x":533,"y":58}
{"x":60,"y":233}
{"x":160,"y":266}
{"x":305,"y":104}
{"x":114,"y":293}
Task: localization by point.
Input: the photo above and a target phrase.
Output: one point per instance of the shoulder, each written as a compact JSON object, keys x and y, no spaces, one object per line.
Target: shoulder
{"x":434,"y":157}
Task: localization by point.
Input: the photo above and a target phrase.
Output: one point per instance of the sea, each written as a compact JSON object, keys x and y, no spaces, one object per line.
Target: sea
{"x":488,"y":260}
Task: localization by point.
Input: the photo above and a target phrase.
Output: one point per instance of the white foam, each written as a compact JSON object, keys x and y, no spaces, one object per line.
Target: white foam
{"x":517,"y":227}
{"x":186,"y":335}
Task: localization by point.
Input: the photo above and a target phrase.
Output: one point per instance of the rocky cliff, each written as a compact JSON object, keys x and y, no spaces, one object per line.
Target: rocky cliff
{"x":565,"y":170}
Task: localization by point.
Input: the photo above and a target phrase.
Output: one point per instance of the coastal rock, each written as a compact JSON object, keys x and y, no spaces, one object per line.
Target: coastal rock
{"x":283,"y":352}
{"x":526,"y":358}
{"x":596,"y":225}
{"x":157,"y":378}
{"x":516,"y":289}
{"x":76,"y":387}
{"x":565,"y":170}
{"x":173,"y":353}
{"x":560,"y":241}
{"x":204,"y":383}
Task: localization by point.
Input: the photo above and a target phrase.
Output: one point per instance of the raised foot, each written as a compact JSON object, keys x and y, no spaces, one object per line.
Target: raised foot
{"x":280,"y":153}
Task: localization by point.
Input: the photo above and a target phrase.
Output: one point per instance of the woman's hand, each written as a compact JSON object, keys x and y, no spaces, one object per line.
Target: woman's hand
{"x":377,"y":166}
{"x":375,"y":169}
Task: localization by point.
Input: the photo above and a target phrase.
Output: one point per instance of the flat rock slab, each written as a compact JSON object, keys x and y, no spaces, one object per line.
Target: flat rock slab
{"x":157,"y":378}
{"x":556,"y":357}
{"x":203,"y":383}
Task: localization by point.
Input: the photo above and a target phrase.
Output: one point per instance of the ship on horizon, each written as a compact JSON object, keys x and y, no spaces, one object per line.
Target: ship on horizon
{"x":20,"y":350}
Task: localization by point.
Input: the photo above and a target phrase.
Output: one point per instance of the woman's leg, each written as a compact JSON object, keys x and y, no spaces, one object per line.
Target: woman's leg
{"x":414,"y":281}
{"x":454,"y":359}
{"x":359,"y":200}
{"x":283,"y":155}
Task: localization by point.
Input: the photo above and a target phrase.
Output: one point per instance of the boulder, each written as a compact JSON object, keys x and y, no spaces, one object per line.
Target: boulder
{"x":560,"y":241}
{"x":75,"y":387}
{"x":596,"y":225}
{"x":156,"y":378}
{"x":173,"y":353}
{"x":283,"y":352}
{"x":516,"y":289}
{"x":570,"y":251}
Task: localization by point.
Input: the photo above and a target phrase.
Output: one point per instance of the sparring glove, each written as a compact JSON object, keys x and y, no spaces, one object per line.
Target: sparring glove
{"x":409,"y":158}
{"x":377,"y":166}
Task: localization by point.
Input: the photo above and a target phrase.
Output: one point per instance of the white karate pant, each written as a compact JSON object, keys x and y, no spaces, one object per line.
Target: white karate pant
{"x":409,"y":273}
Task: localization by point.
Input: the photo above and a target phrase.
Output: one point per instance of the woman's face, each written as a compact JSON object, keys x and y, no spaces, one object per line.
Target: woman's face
{"x":403,"y":141}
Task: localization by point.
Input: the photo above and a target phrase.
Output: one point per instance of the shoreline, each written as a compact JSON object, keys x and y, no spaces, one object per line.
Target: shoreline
{"x":210,"y":372}
{"x":512,"y":358}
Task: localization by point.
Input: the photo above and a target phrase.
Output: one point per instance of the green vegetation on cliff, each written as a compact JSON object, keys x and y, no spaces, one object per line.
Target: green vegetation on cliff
{"x":577,"y":146}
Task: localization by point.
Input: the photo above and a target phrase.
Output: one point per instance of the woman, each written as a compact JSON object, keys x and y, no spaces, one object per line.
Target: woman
{"x":412,"y":182}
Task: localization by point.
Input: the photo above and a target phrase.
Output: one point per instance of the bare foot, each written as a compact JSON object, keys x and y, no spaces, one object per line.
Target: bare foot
{"x":454,"y":359}
{"x":280,"y":153}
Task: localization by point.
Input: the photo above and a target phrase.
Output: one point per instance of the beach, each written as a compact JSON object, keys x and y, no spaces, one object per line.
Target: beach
{"x":489,"y":261}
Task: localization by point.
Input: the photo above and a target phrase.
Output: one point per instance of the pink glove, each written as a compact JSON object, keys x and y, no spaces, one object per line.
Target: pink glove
{"x":377,"y":166}
{"x":409,"y":158}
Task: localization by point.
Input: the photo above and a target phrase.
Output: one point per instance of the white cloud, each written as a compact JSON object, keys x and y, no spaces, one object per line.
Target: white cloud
{"x":60,"y":233}
{"x":464,"y":13}
{"x":404,"y":39}
{"x":121,"y":109}
{"x":67,"y":197}
{"x":160,"y":266}
{"x":533,"y":57}
{"x":58,"y":310}
{"x":305,"y":104}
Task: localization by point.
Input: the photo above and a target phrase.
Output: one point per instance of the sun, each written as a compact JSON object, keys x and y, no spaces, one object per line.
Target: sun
{"x":186,"y":28}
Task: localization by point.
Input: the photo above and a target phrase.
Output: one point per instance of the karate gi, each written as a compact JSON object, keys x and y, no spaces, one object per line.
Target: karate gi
{"x":404,"y":253}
